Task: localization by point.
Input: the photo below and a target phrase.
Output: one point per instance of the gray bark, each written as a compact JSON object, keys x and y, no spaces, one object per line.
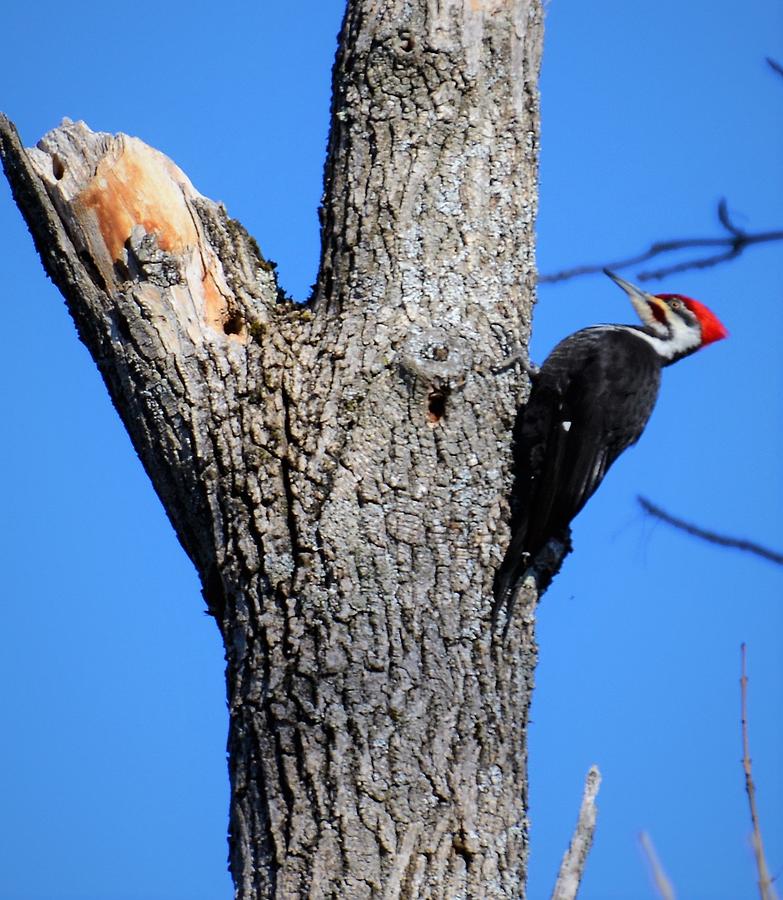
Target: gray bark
{"x":338,"y":472}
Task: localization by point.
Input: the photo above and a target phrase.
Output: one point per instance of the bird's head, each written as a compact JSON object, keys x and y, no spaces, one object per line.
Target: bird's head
{"x":680,"y":324}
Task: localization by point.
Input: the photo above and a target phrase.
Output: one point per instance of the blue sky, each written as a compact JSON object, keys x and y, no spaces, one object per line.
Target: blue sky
{"x":113,"y":702}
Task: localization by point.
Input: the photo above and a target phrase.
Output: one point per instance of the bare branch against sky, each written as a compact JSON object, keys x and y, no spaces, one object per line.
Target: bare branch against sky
{"x":725,"y":248}
{"x":711,"y":536}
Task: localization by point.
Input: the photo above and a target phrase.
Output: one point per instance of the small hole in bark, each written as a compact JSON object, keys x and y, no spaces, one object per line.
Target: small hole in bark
{"x":58,"y":168}
{"x":436,"y":406}
{"x":233,"y":324}
{"x":407,"y":41}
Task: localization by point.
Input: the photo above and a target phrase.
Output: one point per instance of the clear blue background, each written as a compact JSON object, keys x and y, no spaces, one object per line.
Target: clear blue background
{"x":112,"y":763}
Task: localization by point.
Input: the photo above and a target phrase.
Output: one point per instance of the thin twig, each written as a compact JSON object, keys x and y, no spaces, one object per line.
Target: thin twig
{"x":775,"y":65}
{"x":731,"y":245}
{"x":662,"y":883}
{"x":766,"y":891}
{"x":572,"y":867}
{"x":711,"y":536}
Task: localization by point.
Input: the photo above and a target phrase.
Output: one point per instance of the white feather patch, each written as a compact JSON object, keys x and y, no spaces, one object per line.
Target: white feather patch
{"x":681,"y":338}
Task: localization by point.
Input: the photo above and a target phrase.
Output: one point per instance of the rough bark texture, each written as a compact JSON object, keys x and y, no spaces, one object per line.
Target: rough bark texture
{"x":338,"y":472}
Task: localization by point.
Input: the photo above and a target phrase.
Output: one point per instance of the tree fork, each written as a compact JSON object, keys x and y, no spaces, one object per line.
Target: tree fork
{"x":338,"y":471}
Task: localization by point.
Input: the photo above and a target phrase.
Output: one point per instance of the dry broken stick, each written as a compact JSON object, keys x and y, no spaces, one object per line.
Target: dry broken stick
{"x":572,"y":867}
{"x":711,"y":537}
{"x":662,"y":883}
{"x":730,"y":246}
{"x":766,"y":890}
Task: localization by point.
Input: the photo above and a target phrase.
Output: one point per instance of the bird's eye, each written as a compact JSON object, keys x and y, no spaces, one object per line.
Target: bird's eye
{"x":675,"y":304}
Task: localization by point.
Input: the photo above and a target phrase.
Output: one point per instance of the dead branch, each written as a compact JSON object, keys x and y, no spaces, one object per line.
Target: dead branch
{"x":572,"y":867}
{"x":730,"y":246}
{"x":662,"y":883}
{"x":711,"y":536}
{"x":766,"y":890}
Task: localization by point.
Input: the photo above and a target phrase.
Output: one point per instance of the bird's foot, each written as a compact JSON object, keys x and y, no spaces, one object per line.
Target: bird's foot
{"x":521,"y":359}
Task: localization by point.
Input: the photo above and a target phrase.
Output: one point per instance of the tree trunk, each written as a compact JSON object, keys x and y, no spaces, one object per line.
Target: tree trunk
{"x":338,"y":471}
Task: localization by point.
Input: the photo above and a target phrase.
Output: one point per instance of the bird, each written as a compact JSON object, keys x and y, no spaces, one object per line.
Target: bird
{"x":590,"y":400}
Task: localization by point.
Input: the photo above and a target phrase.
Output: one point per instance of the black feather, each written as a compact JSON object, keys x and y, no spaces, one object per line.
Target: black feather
{"x":590,"y":401}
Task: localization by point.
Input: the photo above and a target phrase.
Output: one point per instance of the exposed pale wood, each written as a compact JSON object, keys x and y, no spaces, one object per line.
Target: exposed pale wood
{"x":134,"y":215}
{"x":339,"y":473}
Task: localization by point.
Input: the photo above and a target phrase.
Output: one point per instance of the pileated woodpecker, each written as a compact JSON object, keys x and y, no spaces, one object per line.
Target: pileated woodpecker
{"x":590,"y":400}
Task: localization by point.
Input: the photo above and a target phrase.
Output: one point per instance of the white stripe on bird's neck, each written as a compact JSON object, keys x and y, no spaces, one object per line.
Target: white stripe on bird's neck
{"x":679,"y":340}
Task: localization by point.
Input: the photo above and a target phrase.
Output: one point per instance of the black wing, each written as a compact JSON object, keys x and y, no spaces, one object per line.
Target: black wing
{"x":591,"y":401}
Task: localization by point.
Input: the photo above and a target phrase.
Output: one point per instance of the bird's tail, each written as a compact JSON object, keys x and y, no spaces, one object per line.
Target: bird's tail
{"x":515,"y":564}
